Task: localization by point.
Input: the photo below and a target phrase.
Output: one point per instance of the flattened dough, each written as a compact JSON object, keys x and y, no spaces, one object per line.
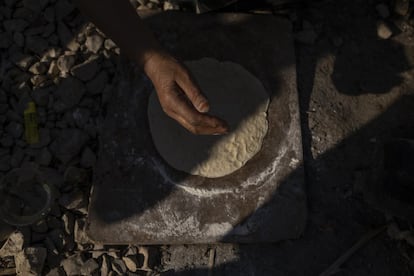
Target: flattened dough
{"x":234,"y":95}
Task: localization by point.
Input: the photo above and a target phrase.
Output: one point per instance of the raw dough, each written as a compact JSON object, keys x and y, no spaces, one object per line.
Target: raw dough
{"x":234,"y":95}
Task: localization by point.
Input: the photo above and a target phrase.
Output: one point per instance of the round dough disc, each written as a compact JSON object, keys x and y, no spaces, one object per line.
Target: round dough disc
{"x":234,"y":95}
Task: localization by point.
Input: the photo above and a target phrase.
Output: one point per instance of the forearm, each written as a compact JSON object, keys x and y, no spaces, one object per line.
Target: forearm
{"x":118,"y":20}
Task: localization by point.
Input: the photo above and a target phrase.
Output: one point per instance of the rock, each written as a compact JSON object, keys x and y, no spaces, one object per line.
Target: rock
{"x":89,"y":267}
{"x":49,"y":14}
{"x":68,"y":144}
{"x":105,"y":266}
{"x":40,"y":226}
{"x":132,"y":262}
{"x":73,"y":201}
{"x":53,"y":69}
{"x":15,"y":129}
{"x":66,"y":37}
{"x":41,"y":96}
{"x":18,"y":38}
{"x":170,"y":6}
{"x":81,"y":116}
{"x":65,"y":63}
{"x":17,"y":157}
{"x":70,"y":92}
{"x":86,"y":70}
{"x":109,"y":44}
{"x":52,"y":176}
{"x":30,"y":261}
{"x":44,"y":157}
{"x":97,"y":85}
{"x":36,"y":44}
{"x":7,"y":141}
{"x":307,"y":36}
{"x":5,"y":163}
{"x":94,"y":43}
{"x":15,"y":25}
{"x":13,"y":245}
{"x":401,"y":7}
{"x":44,"y":139}
{"x":75,"y":176}
{"x":383,"y":30}
{"x":58,"y":238}
{"x":38,"y":68}
{"x":39,"y":81}
{"x":4,"y":108}
{"x":22,"y":61}
{"x":35,"y":5}
{"x":88,"y":158}
{"x":73,"y":265}
{"x":80,"y":234}
{"x":63,"y":8}
{"x":69,"y":223}
{"x":119,"y":266}
{"x":57,"y":271}
{"x":382,"y":10}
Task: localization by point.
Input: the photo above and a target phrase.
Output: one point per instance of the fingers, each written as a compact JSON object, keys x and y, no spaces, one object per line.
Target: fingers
{"x":178,"y":107}
{"x":193,"y":92}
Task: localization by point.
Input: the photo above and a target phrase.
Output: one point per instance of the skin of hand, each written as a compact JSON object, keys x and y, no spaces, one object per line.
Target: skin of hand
{"x":178,"y":93}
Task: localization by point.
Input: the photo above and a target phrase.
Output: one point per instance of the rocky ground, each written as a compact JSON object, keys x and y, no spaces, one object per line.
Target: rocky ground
{"x":355,"y":79}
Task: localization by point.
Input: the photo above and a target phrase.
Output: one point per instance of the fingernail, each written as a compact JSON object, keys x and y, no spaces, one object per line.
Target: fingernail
{"x":203,"y":107}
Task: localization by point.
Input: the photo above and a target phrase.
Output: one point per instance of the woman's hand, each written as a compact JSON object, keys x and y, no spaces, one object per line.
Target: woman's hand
{"x":179,"y":95}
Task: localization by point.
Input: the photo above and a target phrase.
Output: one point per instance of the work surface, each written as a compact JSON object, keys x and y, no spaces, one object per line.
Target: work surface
{"x":138,"y":198}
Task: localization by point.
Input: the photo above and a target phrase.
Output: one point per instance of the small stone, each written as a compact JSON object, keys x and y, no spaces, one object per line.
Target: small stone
{"x":40,"y":226}
{"x":49,"y":14}
{"x":63,"y":8}
{"x":401,"y":7}
{"x":88,"y":158}
{"x":75,"y":176}
{"x":80,"y":234}
{"x":68,"y":144}
{"x":38,"y":68}
{"x":97,"y":85}
{"x":73,"y":265}
{"x":89,"y":267}
{"x":7,"y":141}
{"x":307,"y":36}
{"x":132,"y":262}
{"x":15,"y":25}
{"x":15,"y":129}
{"x":66,"y":62}
{"x":170,"y":6}
{"x":36,"y":44}
{"x":18,"y":38}
{"x":5,"y":163}
{"x":382,"y":10}
{"x":58,"y":238}
{"x":105,"y":266}
{"x":30,"y":261}
{"x":44,"y":139}
{"x":69,"y":222}
{"x":53,"y":70}
{"x":41,"y":96}
{"x":94,"y":43}
{"x":119,"y":266}
{"x":35,"y":5}
{"x":109,"y":44}
{"x":52,"y":176}
{"x":64,"y":33}
{"x":70,"y":92}
{"x":73,"y":201}
{"x":39,"y":81}
{"x":17,"y":157}
{"x":383,"y":31}
{"x":81,"y":116}
{"x":22,"y":61}
{"x":86,"y":70}
{"x":44,"y":157}
{"x":13,"y":245}
{"x":57,"y":271}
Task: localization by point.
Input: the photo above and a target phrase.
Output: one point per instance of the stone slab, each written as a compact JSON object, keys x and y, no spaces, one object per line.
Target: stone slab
{"x":138,"y":199}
